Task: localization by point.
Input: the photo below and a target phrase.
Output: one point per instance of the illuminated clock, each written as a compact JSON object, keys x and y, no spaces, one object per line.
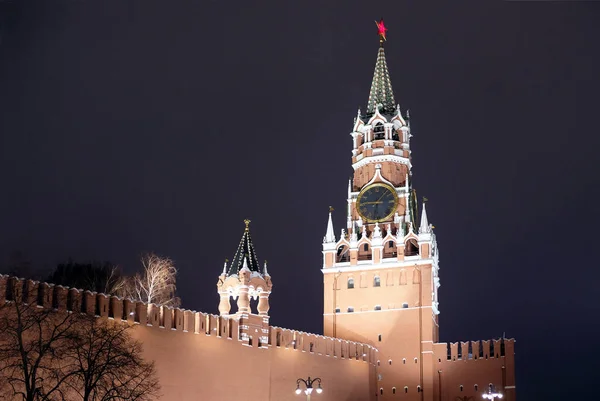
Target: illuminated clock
{"x":377,"y":202}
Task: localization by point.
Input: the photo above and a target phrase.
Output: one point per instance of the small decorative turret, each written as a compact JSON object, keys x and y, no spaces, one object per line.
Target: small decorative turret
{"x":424,"y":226}
{"x":329,"y":235}
{"x":243,"y":280}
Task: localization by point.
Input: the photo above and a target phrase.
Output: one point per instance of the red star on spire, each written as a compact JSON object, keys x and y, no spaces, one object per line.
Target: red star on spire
{"x":381,"y":30}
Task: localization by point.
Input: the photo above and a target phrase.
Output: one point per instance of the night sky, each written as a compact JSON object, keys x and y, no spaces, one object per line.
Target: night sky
{"x":130,"y":126}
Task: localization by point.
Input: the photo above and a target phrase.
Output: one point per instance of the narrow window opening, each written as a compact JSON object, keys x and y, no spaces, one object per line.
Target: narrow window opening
{"x":337,"y":310}
{"x":311,"y":347}
{"x":381,"y":391}
{"x":377,"y":307}
{"x":379,"y":337}
{"x":461,"y":387}
{"x":415,"y":360}
{"x":378,"y":363}
{"x":350,"y":283}
{"x":405,"y":389}
{"x":393,"y":390}
{"x":366,"y":247}
{"x":350,"y":309}
{"x":390,"y":244}
{"x":404,"y":361}
{"x":418,"y":389}
{"x":377,"y":281}
{"x":405,"y":305}
{"x":390,"y":361}
{"x":476,"y":387}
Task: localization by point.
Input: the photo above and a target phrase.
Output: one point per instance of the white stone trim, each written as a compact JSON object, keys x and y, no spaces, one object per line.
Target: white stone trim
{"x":362,"y":267}
{"x":374,"y":311}
{"x":380,"y":159}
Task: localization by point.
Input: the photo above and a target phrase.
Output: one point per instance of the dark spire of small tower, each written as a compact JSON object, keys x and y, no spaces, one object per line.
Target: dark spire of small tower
{"x":381,"y":95}
{"x":245,"y":253}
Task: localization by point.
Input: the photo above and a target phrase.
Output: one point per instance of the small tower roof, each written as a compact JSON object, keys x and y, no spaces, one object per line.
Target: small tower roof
{"x":329,"y":235}
{"x":424,"y":227}
{"x":381,"y":87}
{"x":245,"y":256}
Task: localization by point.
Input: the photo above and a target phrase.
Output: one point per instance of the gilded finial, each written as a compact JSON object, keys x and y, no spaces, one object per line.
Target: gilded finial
{"x":425,"y":199}
{"x":247,"y":222}
{"x":381,"y":30}
{"x":330,"y":209}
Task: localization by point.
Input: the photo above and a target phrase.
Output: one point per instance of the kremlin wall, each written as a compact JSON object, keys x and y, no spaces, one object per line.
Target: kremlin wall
{"x":208,"y":357}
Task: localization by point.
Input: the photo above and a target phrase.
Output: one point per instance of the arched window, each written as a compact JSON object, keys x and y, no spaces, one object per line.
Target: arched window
{"x":404,"y":361}
{"x":376,"y":281}
{"x":350,"y":309}
{"x":366,"y":247}
{"x":337,"y":310}
{"x":405,"y":305}
{"x":379,"y":131}
{"x":393,"y":390}
{"x":415,"y":360}
{"x":476,"y":387}
{"x":343,"y":254}
{"x":378,"y":363}
{"x":418,"y":389}
{"x":411,"y":248}
{"x":377,"y":307}
{"x":381,"y":391}
{"x":389,"y":361}
{"x":461,"y":387}
{"x":405,"y":389}
{"x":278,"y":339}
{"x":350,"y":283}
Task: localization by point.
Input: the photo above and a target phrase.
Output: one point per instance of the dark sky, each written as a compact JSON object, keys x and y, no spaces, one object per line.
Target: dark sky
{"x":130,"y":126}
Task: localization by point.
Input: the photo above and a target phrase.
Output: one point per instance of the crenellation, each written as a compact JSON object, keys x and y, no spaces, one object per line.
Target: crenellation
{"x":464,"y":350}
{"x":59,"y":299}
{"x":74,"y":300}
{"x":101,"y":305}
{"x":115,"y":308}
{"x":44,"y":294}
{"x":485,"y":346}
{"x":166,"y":317}
{"x":30,"y":291}
{"x":153,"y":315}
{"x":178,"y":315}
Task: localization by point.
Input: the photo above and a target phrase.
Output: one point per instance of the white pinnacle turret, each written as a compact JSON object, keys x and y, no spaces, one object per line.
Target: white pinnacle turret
{"x":329,"y":235}
{"x":377,"y":231}
{"x":245,"y":266}
{"x":265,"y":272}
{"x":224,"y":268}
{"x":424,"y":227}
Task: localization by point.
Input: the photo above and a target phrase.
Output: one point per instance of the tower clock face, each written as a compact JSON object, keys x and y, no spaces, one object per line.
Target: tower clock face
{"x":377,"y":202}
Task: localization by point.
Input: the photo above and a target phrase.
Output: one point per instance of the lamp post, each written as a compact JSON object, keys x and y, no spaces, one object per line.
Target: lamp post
{"x":308,"y":383}
{"x":492,"y":393}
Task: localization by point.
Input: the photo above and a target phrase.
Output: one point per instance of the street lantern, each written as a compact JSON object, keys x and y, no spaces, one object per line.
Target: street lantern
{"x":308,"y":384}
{"x":492,"y":393}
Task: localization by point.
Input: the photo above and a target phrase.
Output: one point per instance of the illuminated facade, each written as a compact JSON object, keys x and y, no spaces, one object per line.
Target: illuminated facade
{"x":381,"y":310}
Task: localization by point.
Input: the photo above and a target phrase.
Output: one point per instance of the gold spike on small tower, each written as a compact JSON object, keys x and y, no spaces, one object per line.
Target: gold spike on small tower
{"x":247,"y":222}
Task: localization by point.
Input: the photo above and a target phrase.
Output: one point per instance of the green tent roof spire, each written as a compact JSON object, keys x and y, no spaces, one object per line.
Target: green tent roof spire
{"x":381,"y":95}
{"x":245,"y":256}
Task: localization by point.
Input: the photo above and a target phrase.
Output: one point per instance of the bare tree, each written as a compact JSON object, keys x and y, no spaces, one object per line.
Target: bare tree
{"x":33,"y":343}
{"x":108,"y":364}
{"x":157,"y":282}
{"x":48,"y":355}
{"x":105,"y":278}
